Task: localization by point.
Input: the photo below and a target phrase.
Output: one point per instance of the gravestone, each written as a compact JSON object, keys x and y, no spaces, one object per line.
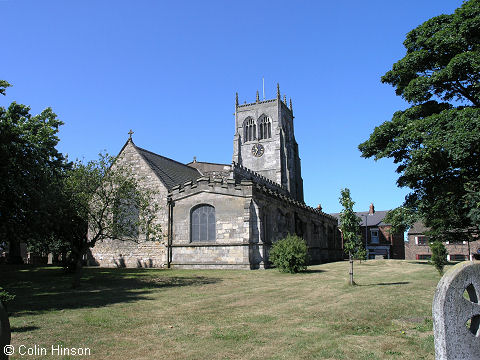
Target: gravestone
{"x":456,"y":313}
{"x":4,"y":331}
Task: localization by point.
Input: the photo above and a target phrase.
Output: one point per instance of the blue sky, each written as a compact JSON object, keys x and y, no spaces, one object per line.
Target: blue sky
{"x":170,"y":70}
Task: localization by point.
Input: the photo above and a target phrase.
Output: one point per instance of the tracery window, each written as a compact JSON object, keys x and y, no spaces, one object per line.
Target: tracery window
{"x":264,"y":128}
{"x":202,"y":220}
{"x":249,"y":130}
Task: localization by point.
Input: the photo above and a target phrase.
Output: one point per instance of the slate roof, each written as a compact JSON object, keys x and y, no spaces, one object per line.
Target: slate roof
{"x":376,"y":219}
{"x":206,"y":167}
{"x":169,"y":171}
{"x":418,"y":228}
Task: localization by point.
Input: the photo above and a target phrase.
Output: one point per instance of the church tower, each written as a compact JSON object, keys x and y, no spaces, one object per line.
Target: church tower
{"x":264,"y":142}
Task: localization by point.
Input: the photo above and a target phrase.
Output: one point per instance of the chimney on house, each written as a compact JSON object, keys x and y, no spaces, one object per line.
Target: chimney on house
{"x":194,"y":159}
{"x":371,"y":210}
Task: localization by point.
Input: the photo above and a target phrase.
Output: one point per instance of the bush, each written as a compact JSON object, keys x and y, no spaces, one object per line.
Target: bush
{"x":290,"y":254}
{"x":439,"y":255}
{"x":5,"y":296}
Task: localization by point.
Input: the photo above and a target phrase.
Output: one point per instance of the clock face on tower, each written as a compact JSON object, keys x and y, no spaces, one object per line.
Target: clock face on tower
{"x":258,"y":150}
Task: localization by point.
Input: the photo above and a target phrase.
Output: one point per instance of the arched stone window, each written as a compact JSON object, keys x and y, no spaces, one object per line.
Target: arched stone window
{"x":264,"y":128}
{"x":249,"y":130}
{"x":202,"y":223}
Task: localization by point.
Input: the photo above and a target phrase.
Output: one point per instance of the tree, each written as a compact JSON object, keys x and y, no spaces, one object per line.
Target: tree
{"x":290,"y":254}
{"x":29,"y":165}
{"x":350,"y":228}
{"x":3,"y":85}
{"x":436,"y":141}
{"x":472,"y":202}
{"x":400,"y":218}
{"x":360,"y":254}
{"x":102,"y":200}
{"x":439,"y":255}
{"x":5,"y":297}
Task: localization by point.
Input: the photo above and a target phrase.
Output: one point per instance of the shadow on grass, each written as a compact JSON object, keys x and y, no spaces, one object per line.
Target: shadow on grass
{"x":42,"y":289}
{"x":20,"y":329}
{"x":312,"y":271}
{"x":386,"y":284}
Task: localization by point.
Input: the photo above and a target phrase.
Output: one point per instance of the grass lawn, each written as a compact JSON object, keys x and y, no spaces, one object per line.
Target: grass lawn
{"x":227,"y":314}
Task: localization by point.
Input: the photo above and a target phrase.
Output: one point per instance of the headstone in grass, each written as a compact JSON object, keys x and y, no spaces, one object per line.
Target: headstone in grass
{"x":456,"y":313}
{"x":5,"y":335}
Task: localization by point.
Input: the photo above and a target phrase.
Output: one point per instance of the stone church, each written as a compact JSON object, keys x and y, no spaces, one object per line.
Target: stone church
{"x":229,"y":215}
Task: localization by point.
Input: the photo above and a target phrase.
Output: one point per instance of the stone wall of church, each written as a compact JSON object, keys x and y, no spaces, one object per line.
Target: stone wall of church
{"x":279,"y":216}
{"x":230,"y":248}
{"x":249,"y":218}
{"x":291,"y":158}
{"x":116,"y":253}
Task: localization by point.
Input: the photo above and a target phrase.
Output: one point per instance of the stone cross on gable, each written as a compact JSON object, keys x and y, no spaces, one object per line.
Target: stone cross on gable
{"x":130,"y":133}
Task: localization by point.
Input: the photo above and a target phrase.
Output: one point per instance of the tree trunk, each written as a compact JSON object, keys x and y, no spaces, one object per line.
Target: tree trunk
{"x":350,"y":258}
{"x":14,"y":252}
{"x":77,"y":275}
{"x":5,"y":331}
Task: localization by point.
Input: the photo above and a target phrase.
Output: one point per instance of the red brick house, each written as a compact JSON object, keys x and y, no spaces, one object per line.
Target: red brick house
{"x":416,"y":246}
{"x":380,"y":243}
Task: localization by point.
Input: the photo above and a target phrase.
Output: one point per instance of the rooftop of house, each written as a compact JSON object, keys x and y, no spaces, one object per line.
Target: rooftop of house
{"x":417,"y":228}
{"x":369,"y":218}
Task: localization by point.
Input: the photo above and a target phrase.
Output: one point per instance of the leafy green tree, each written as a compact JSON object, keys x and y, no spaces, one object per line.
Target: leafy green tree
{"x":439,"y":255}
{"x":472,"y":202}
{"x":5,"y":296}
{"x":103,"y":200}
{"x":400,"y":218}
{"x":350,"y":228}
{"x":3,"y":85}
{"x":290,"y":254}
{"x":360,"y":254}
{"x":29,"y":165}
{"x":436,"y":141}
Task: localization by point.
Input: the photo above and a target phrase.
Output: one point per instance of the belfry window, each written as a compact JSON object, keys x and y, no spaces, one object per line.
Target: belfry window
{"x":264,"y":128}
{"x":249,"y":130}
{"x":202,"y":223}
